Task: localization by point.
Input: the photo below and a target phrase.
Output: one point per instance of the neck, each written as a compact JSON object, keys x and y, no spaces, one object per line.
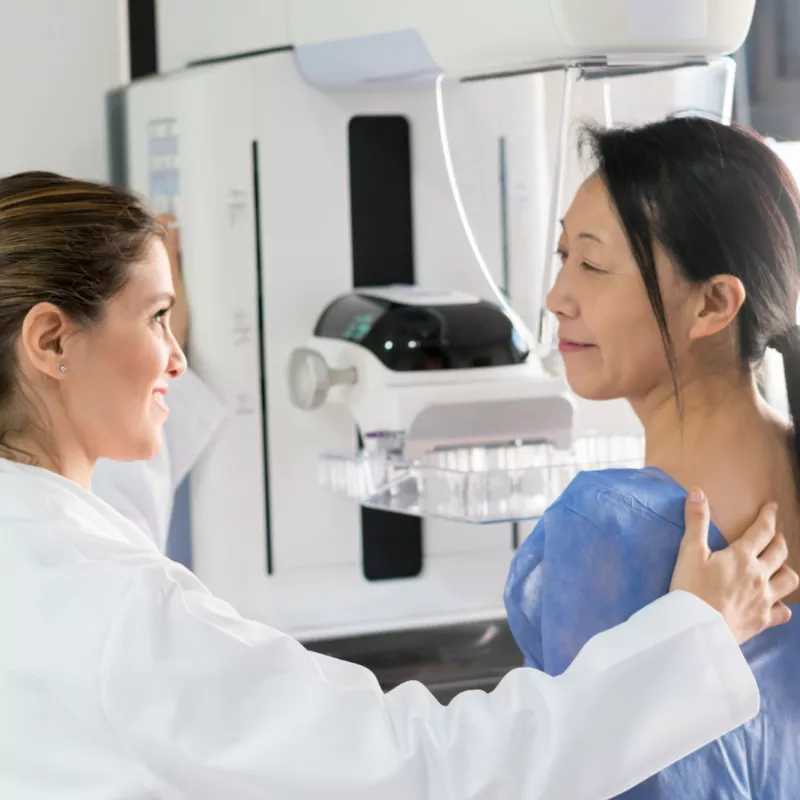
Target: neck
{"x":728,"y":441}
{"x":69,"y":462}
{"x":715,"y":408}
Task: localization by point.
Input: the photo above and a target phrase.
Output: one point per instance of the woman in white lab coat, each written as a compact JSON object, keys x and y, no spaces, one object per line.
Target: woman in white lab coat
{"x":121,"y":676}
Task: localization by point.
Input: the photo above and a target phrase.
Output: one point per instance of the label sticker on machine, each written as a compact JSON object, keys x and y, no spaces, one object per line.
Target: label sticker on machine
{"x":162,"y":160}
{"x":660,"y":21}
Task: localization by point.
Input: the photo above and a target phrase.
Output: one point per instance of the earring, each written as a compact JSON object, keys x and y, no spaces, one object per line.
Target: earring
{"x":63,"y":368}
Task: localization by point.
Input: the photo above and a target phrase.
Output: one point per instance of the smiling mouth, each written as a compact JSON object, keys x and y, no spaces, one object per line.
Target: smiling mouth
{"x":159,"y":395}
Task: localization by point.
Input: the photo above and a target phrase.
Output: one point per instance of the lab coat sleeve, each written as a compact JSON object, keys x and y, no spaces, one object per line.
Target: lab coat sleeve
{"x":212,"y":706}
{"x":143,"y":491}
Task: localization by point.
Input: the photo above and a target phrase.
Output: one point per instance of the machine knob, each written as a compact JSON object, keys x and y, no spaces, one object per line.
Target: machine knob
{"x":310,"y":378}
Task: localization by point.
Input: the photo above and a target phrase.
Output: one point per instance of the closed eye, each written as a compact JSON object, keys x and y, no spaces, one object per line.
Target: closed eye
{"x":563,"y":255}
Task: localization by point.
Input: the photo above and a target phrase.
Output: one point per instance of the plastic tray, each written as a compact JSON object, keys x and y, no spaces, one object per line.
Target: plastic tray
{"x":480,"y":485}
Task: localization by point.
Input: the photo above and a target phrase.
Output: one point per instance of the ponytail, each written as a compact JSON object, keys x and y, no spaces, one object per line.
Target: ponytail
{"x":788,"y":345}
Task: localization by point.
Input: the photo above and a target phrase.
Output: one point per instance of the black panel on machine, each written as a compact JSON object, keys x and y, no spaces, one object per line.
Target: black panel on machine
{"x":382,"y":221}
{"x":419,"y":338}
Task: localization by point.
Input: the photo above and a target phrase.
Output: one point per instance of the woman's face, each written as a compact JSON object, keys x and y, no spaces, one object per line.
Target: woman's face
{"x":608,"y":334}
{"x":119,"y":371}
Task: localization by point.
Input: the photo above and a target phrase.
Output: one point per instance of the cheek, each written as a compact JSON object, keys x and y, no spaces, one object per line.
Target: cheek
{"x":123,"y":360}
{"x":141,"y":356}
{"x":638,"y":364}
{"x":619,"y":316}
{"x":629,"y":357}
{"x":634,"y":335}
{"x":107,"y":396}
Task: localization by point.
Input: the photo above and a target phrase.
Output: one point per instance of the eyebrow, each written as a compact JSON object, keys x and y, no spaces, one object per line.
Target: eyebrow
{"x":584,"y":235}
{"x":162,"y":297}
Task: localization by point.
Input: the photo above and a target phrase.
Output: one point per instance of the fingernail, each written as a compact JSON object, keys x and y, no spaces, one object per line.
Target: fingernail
{"x":696,"y":496}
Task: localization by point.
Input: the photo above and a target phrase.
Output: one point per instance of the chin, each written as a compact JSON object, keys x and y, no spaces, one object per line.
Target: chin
{"x":592,"y":390}
{"x":153,"y":447}
{"x":145,"y":448}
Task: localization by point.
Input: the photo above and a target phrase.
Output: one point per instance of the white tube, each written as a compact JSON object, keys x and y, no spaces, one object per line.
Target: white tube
{"x":515,"y":318}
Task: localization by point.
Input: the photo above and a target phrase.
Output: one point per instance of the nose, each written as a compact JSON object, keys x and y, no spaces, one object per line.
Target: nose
{"x":560,"y":300}
{"x":176,"y":365}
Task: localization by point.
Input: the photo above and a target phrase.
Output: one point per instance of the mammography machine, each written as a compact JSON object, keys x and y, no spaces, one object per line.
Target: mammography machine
{"x":341,"y":196}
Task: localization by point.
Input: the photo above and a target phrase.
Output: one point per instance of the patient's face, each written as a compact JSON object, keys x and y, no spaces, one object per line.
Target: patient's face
{"x":608,"y":334}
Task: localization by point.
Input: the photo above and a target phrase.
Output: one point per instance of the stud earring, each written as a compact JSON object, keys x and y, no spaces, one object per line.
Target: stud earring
{"x":63,"y":368}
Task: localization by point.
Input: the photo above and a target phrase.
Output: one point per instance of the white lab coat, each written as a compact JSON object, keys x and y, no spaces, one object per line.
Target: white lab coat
{"x":122,"y":677}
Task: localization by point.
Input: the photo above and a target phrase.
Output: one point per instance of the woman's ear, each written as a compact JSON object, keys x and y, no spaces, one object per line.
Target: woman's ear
{"x":44,"y":333}
{"x":718,"y":302}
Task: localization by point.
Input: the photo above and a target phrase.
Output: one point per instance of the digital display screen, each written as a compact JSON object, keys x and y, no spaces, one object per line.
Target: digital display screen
{"x":359,"y":327}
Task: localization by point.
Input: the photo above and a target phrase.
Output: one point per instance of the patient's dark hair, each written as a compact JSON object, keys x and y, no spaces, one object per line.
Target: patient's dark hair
{"x":719,"y":201}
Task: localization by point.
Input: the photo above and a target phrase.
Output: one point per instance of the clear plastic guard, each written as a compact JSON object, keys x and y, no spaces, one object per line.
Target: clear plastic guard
{"x":480,"y":485}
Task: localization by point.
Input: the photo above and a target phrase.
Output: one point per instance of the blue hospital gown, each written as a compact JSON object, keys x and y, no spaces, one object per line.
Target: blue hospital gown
{"x":600,"y":553}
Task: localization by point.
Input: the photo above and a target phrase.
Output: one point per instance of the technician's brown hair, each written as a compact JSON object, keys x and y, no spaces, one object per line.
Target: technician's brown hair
{"x":62,"y":241}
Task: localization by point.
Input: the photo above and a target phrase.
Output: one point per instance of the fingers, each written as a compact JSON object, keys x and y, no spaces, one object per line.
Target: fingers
{"x":775,"y":555}
{"x":779,"y":614}
{"x":783,"y":583}
{"x":760,"y":533}
{"x":697,"y":518}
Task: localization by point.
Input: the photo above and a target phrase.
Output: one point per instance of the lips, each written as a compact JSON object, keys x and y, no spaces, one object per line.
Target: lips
{"x":571,"y":346}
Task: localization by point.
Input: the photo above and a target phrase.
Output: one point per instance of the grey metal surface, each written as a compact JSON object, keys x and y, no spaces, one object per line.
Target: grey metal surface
{"x":117,"y":137}
{"x":447,"y":660}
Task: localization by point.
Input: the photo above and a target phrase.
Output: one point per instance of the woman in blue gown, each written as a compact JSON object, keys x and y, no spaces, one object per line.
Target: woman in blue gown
{"x":679,"y":268}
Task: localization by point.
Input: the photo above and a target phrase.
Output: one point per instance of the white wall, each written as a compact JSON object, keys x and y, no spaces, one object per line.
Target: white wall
{"x":191,"y":30}
{"x":58,"y":58}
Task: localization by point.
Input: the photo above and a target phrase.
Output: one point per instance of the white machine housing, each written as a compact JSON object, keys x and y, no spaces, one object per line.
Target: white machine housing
{"x":253,"y":160}
{"x":349,"y":41}
{"x":435,"y":409}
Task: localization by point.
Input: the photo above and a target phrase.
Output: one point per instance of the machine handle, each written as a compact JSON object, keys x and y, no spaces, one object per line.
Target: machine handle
{"x":310,"y":378}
